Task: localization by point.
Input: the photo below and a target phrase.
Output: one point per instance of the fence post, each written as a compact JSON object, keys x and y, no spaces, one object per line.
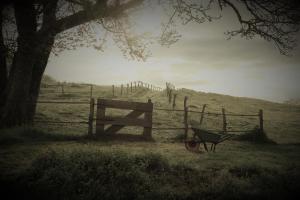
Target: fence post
{"x":131,"y":87}
{"x":186,"y":127}
{"x":261,"y":120}
{"x":121,"y":89}
{"x":91,"y":117}
{"x":170,"y":96}
{"x":134,"y":85}
{"x":224,"y":121}
{"x":202,"y":114}
{"x":127,"y":89}
{"x":100,"y":116}
{"x":148,"y":117}
{"x":62,"y":89}
{"x":113,"y":90}
{"x":167,"y":88}
{"x":174,"y":100}
{"x":91,"y":91}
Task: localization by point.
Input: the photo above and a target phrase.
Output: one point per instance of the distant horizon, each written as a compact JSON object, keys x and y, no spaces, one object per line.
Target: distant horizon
{"x":176,"y":87}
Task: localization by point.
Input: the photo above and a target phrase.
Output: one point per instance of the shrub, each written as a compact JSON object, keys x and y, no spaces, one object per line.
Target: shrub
{"x":116,"y":175}
{"x":255,"y":136}
{"x":96,"y":175}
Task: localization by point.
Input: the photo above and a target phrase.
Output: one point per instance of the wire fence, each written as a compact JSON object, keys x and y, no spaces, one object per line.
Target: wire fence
{"x":212,"y":120}
{"x":164,"y":119}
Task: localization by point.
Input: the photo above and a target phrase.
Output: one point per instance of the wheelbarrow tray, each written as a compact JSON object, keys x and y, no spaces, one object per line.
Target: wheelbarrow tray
{"x":204,"y":136}
{"x":211,"y":137}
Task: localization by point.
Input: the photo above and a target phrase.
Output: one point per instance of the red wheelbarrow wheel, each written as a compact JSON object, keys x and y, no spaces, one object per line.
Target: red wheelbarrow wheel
{"x":192,"y":145}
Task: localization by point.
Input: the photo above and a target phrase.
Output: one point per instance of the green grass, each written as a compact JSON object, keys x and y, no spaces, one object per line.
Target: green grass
{"x":60,"y":162}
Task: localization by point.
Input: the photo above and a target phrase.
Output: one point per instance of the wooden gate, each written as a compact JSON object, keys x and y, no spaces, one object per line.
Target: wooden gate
{"x":131,"y":119}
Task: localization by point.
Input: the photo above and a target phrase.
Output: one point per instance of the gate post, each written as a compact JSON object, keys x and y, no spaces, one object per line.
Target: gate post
{"x":91,"y":117}
{"x":148,"y":117}
{"x":261,"y":120}
{"x":224,"y":121}
{"x":186,"y":126}
{"x":174,"y":101}
{"x":202,"y":114}
{"x":100,"y":117}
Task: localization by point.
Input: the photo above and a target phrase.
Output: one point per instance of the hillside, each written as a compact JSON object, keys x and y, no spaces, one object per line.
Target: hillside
{"x":293,"y":102}
{"x":58,"y":161}
{"x":281,"y":121}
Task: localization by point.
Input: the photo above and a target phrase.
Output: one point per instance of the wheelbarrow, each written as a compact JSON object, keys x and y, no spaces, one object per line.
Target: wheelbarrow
{"x":204,"y":136}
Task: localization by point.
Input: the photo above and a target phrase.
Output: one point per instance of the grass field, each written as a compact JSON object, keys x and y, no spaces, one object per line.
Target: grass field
{"x":60,"y":162}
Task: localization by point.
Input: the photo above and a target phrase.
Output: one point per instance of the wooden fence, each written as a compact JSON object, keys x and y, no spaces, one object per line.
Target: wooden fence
{"x":131,"y":119}
{"x":117,"y":90}
{"x":132,"y":87}
{"x":138,"y":108}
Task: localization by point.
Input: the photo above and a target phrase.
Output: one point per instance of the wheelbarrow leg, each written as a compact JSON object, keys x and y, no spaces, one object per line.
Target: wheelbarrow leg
{"x":215,"y":147}
{"x":205,"y":146}
{"x":212,"y":146}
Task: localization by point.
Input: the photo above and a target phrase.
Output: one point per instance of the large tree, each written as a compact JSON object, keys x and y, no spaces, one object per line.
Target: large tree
{"x":32,"y":29}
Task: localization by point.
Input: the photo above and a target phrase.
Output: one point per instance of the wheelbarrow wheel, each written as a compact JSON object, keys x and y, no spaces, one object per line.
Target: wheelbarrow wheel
{"x":192,"y":145}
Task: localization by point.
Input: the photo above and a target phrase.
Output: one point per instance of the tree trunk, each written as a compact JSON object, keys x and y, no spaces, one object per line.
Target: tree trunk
{"x":28,"y":66}
{"x":14,"y":111}
{"x":37,"y":74}
{"x":3,"y":66}
{"x":17,"y":90}
{"x":24,"y":84}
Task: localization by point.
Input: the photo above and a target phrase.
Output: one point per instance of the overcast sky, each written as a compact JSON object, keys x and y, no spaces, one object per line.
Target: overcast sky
{"x":202,"y":60}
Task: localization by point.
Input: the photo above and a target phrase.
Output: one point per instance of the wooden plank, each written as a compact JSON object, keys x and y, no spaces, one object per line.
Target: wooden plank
{"x":124,"y":105}
{"x":125,"y":121}
{"x":100,"y":115}
{"x":148,"y":118}
{"x":114,"y":128}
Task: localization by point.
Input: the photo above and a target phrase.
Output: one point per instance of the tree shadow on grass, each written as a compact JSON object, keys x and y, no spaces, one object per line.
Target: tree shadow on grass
{"x":122,"y":137}
{"x":27,"y":135}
